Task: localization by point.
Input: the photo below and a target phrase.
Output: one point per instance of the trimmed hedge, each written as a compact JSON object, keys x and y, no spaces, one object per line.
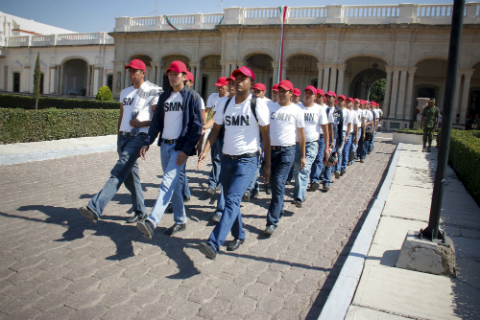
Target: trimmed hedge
{"x":19,"y":125}
{"x":464,"y":158}
{"x":28,"y":102}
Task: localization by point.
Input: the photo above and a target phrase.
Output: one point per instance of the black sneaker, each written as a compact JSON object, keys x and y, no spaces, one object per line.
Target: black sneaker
{"x":246,"y":196}
{"x":211,"y":190}
{"x":315,"y":185}
{"x":185,"y":200}
{"x":89,"y":214}
{"x":298,"y":203}
{"x":169,"y":208}
{"x":269,"y":230}
{"x":137,"y":217}
{"x":326,"y":188}
{"x":235,"y":244}
{"x":216,"y":218}
{"x":268,"y":190}
{"x":343,"y":172}
{"x":288,"y":182}
{"x":337,"y":175}
{"x":254,"y":194}
{"x":175,"y":229}
{"x":207,"y":250}
{"x":146,"y":228}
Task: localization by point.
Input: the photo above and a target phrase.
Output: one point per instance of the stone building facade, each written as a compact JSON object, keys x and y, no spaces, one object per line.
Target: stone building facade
{"x":341,"y":48}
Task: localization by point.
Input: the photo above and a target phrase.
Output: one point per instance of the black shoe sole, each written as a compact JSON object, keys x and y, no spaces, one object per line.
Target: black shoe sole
{"x":207,"y":250}
{"x":145,"y":232}
{"x":90,"y":215}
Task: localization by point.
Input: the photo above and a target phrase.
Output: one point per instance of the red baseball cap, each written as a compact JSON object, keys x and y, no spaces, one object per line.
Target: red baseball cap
{"x":311,"y":88}
{"x":320,"y":91}
{"x":260,"y":86}
{"x":342,"y":97}
{"x":297,"y":92}
{"x":358,"y":100}
{"x":137,"y":64}
{"x":285,"y":84}
{"x":231,"y":78}
{"x":275,"y":87}
{"x":177,"y":66}
{"x":189,"y":76}
{"x":331,"y":94}
{"x":246,"y":71}
{"x":351,"y":100}
{"x":222,"y":81}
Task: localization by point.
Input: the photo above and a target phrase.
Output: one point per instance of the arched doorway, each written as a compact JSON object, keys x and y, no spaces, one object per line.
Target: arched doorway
{"x":261,"y":64}
{"x":429,"y":82}
{"x":474,"y":101}
{"x":211,"y":70}
{"x":302,"y":71}
{"x":75,"y":77}
{"x":167,"y":60}
{"x":361,"y":74}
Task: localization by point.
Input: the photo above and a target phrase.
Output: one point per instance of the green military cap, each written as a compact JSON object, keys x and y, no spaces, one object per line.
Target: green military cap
{"x":432,"y":99}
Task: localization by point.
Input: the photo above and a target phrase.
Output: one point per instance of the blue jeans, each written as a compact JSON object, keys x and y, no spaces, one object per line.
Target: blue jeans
{"x":281,"y":163}
{"x":170,"y":188}
{"x":340,"y":153}
{"x":235,"y":176}
{"x":327,"y":172}
{"x":362,"y":148}
{"x":318,"y":165}
{"x":346,"y":151}
{"x":370,"y":144}
{"x":254,"y":187}
{"x":303,"y":176}
{"x":184,"y":181}
{"x":124,"y":171}
{"x":215,"y":152}
{"x":290,"y":174}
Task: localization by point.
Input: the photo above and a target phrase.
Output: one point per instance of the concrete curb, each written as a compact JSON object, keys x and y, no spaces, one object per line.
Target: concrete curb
{"x":340,"y":298}
{"x":52,"y":154}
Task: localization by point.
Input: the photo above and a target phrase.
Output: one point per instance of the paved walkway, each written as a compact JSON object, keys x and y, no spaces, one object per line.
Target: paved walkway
{"x":390,"y":293}
{"x":56,"y":265}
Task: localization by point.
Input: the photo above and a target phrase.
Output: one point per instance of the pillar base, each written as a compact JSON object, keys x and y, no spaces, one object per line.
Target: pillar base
{"x":419,"y":254}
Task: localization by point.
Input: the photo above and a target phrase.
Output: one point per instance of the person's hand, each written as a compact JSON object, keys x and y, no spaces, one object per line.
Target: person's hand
{"x":143,"y":151}
{"x":303,"y":163}
{"x":136,"y":123}
{"x":332,"y":145}
{"x":363,"y":137}
{"x":181,"y":158}
{"x":327,"y":153}
{"x":266,"y":173}
{"x":201,"y":159}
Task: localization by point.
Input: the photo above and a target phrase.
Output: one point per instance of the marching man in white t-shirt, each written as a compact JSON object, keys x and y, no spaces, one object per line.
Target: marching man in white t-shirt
{"x":137,"y":104}
{"x":178,"y":120}
{"x":286,"y":120}
{"x":244,"y":118}
{"x":347,"y":128}
{"x":316,"y":123}
{"x":349,"y":154}
{"x":296,"y":96}
{"x":259,"y":90}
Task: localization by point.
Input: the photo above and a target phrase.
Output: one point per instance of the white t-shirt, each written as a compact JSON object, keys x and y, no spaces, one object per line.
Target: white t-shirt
{"x":314,"y":117}
{"x":213,"y":99}
{"x":330,"y":118}
{"x":347,"y":118}
{"x":368,"y":118}
{"x":355,"y":120}
{"x":173,"y":107}
{"x":220,"y":102}
{"x":127,"y":97}
{"x":380,"y":112}
{"x":242,"y":132}
{"x":203,"y":103}
{"x":284,"y":122}
{"x":265,"y":99}
{"x":376,"y":113}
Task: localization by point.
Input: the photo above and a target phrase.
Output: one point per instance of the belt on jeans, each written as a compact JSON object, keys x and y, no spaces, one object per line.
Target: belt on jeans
{"x":280,"y":147}
{"x":129,"y":134}
{"x":241,"y":156}
{"x":169,"y":141}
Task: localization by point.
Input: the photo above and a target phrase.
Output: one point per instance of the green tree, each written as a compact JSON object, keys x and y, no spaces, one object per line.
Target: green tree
{"x":377,"y":92}
{"x":36,"y":81}
{"x":104,"y":94}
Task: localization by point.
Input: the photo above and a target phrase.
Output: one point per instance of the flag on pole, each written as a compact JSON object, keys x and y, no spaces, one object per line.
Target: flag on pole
{"x":283,"y":15}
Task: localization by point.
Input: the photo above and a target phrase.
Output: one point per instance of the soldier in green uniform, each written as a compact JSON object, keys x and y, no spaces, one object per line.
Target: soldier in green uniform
{"x":429,"y":123}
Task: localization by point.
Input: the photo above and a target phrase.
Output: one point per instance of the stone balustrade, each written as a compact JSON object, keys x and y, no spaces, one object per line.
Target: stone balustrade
{"x":69,"y":39}
{"x":367,"y":14}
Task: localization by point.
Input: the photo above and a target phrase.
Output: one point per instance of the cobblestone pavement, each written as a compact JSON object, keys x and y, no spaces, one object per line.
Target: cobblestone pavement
{"x":56,"y":265}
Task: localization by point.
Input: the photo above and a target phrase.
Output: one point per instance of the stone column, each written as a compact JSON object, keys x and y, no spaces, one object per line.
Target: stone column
{"x":320,"y":75}
{"x":466,"y":92}
{"x":275,"y":71}
{"x":160,"y":73}
{"x":456,"y":100}
{"x":53,"y":76}
{"x":96,"y":81}
{"x":326,"y":76}
{"x":341,"y":78}
{"x":60,"y":80}
{"x":401,"y":93}
{"x":408,"y":102}
{"x":333,"y":79}
{"x":224,"y":68}
{"x":198,"y":77}
{"x":89,"y":75}
{"x":123,"y":77}
{"x":393,"y":99}
{"x":388,"y":88}
{"x":195,"y":70}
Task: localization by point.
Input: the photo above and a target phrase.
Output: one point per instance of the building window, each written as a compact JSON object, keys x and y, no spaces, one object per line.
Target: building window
{"x":16,"y":82}
{"x":41,"y":83}
{"x":110,"y":81}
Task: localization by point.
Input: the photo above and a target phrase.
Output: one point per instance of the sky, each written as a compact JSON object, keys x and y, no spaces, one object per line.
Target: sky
{"x":99,"y":15}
